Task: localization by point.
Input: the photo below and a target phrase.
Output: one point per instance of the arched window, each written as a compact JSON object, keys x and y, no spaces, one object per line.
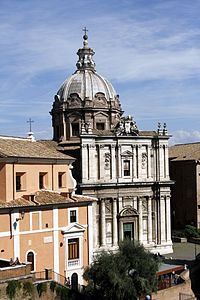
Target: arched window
{"x":30,"y":258}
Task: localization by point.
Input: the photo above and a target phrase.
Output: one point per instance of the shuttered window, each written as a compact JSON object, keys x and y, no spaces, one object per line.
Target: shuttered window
{"x":73,"y":249}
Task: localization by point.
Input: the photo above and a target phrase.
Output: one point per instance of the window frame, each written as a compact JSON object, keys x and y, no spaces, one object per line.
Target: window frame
{"x":43,"y":176}
{"x":69,"y":215}
{"x":20,"y":181}
{"x":75,"y":129}
{"x":127,"y":171}
{"x":73,"y":248}
{"x":100,"y":124}
{"x":61,"y":180}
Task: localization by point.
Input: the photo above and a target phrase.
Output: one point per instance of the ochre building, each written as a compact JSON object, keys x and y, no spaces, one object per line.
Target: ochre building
{"x":42,"y":220}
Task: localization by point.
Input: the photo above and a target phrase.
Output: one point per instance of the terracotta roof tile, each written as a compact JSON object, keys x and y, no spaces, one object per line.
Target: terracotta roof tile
{"x":185,"y":152}
{"x":28,"y":149}
{"x":44,"y":197}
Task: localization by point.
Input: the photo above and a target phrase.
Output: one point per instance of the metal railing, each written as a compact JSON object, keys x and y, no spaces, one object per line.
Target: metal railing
{"x":48,"y":275}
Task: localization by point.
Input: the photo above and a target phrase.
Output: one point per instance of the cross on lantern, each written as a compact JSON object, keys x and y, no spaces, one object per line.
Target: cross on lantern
{"x":85,"y":30}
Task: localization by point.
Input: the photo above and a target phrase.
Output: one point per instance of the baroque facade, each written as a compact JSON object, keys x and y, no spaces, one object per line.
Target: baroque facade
{"x":125,"y":168}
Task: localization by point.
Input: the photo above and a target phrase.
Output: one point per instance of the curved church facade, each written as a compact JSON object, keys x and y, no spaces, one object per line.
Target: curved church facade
{"x":125,"y":168}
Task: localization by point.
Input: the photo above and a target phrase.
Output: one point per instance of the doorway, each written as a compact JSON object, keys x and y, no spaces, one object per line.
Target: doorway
{"x":128,"y":231}
{"x":30,"y":258}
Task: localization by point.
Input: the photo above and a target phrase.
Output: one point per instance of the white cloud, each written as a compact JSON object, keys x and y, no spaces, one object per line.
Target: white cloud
{"x":135,"y":44}
{"x":184,"y":136}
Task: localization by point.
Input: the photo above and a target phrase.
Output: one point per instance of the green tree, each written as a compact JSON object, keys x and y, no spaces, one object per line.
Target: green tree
{"x":124,"y":275}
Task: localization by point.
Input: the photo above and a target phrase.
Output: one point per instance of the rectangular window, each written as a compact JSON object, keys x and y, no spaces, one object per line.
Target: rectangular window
{"x":128,"y":229}
{"x":73,"y":249}
{"x":127,"y":168}
{"x":100,"y":126}
{"x":75,"y":129}
{"x":42,"y":180}
{"x":20,"y":181}
{"x":72,"y":216}
{"x":61,"y":179}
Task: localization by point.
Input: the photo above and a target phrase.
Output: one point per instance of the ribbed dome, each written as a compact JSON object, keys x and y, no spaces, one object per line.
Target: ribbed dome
{"x":86,"y":83}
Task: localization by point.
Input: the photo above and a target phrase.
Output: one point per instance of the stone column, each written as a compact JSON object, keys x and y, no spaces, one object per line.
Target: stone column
{"x":102,"y":161}
{"x":140,"y":220}
{"x":103,"y":223}
{"x":92,"y":162}
{"x":149,"y":220}
{"x":85,"y":162}
{"x":162,"y":219}
{"x":149,"y":162}
{"x":113,"y":162}
{"x":158,"y":222}
{"x":64,"y":127}
{"x":115,"y":238}
{"x":167,"y":161}
{"x":162,"y":162}
{"x":168,"y":219}
{"x":95,"y":227}
{"x":138,"y":161}
{"x":119,"y":175}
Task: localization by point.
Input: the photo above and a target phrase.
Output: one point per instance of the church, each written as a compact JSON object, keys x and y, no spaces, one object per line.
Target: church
{"x":125,"y":168}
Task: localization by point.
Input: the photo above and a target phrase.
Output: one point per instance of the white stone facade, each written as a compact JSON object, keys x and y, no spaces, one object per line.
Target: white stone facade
{"x":136,"y":198}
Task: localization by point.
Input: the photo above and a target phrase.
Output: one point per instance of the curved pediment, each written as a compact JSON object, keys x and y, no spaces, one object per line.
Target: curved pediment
{"x":74,"y":101}
{"x":100,"y":100}
{"x":128,"y":211}
{"x":127,"y":153}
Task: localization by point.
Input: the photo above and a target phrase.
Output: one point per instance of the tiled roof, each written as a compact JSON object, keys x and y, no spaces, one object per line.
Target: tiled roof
{"x":41,"y":198}
{"x":185,"y":152}
{"x":28,"y":149}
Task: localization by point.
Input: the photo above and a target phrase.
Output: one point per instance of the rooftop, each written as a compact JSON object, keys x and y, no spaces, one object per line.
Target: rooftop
{"x":46,"y":198}
{"x":185,"y":152}
{"x":24,"y":148}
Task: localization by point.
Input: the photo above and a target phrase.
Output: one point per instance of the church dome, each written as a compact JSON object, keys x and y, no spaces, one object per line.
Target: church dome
{"x":86,"y":82}
{"x":86,"y":101}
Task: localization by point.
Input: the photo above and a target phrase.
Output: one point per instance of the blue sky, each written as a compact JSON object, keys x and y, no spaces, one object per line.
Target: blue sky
{"x":149,"y":50}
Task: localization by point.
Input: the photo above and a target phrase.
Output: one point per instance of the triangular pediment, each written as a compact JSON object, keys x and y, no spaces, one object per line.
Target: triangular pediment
{"x":126,"y":153}
{"x":100,"y":114}
{"x":74,"y":228}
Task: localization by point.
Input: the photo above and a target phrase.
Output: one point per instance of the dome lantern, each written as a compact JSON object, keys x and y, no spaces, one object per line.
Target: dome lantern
{"x":85,"y":55}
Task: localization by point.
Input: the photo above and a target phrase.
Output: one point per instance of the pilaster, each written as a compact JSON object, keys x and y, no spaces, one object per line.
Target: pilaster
{"x":140,"y":220}
{"x":103,"y":223}
{"x":115,"y":238}
{"x":149,"y":211}
{"x":162,"y":219}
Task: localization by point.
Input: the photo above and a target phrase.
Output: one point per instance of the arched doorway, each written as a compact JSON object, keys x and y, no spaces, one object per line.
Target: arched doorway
{"x":128,"y":224}
{"x":31,"y":259}
{"x":74,"y":281}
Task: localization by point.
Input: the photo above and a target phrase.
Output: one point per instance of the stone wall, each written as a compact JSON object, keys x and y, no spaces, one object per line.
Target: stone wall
{"x":174,"y":292}
{"x":15,"y":271}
